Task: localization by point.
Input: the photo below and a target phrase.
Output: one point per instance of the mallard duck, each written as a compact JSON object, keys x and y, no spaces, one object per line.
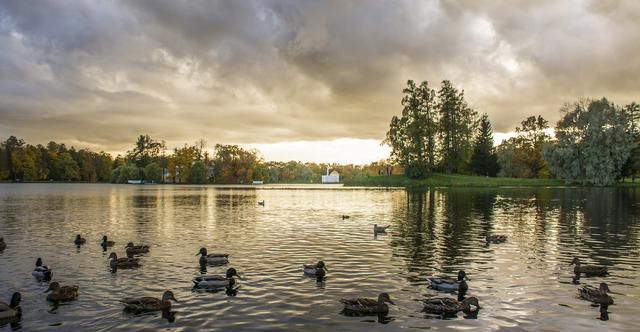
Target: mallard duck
{"x":261,"y":203}
{"x":42,"y":272}
{"x":3,"y":245}
{"x":313,"y":269}
{"x":61,"y":293}
{"x":588,"y":270}
{"x":216,"y":281}
{"x":122,"y":263}
{"x":107,"y":243}
{"x":214,"y":259}
{"x":79,"y":240}
{"x":318,"y":270}
{"x":146,"y":304}
{"x":450,"y":306}
{"x":496,"y":238}
{"x":11,"y":310}
{"x":447,"y":284}
{"x":596,"y":295}
{"x":132,"y":249}
{"x":379,"y":229}
{"x":368,"y":306}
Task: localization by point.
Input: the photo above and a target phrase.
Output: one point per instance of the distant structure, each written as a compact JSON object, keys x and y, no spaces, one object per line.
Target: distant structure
{"x":333,"y":177}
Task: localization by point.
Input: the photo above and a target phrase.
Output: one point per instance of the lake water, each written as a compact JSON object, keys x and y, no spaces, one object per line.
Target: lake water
{"x":523,"y":284}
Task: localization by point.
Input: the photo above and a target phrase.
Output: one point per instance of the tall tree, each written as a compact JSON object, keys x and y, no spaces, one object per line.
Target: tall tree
{"x":632,"y":165}
{"x":412,"y":136}
{"x":146,"y":150}
{"x":457,"y":124}
{"x":484,"y":160}
{"x":593,"y":142}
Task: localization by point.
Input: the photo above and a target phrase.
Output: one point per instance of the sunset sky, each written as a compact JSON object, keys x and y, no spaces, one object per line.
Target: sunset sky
{"x":301,"y":80}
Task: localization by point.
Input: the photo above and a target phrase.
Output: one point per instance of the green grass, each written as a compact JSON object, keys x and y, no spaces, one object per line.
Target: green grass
{"x":450,"y":180}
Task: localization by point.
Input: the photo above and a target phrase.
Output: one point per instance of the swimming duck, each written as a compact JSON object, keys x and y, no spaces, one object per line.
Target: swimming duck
{"x":216,"y":281}
{"x":344,"y":216}
{"x":2,"y":244}
{"x":61,"y":293}
{"x":42,"y":272}
{"x":261,"y":203}
{"x":596,"y":295}
{"x":496,"y":238}
{"x":214,"y":259}
{"x":450,"y":306}
{"x":79,"y":240}
{"x":449,"y":284}
{"x":146,"y":304}
{"x":379,"y":229}
{"x":314,"y":269}
{"x":106,"y":243}
{"x":368,"y":306}
{"x":131,"y":249}
{"x":588,"y":270}
{"x":122,"y":263}
{"x":11,"y":310}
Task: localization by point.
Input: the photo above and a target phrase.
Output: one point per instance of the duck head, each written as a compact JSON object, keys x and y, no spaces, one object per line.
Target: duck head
{"x":461,"y":275}
{"x":104,"y":238}
{"x":231,"y":272}
{"x":15,"y":300}
{"x":39,"y":261}
{"x":54,"y":286}
{"x":202,"y":252}
{"x":604,"y":288}
{"x":78,"y":237}
{"x":113,"y":256}
{"x":168,"y":295}
{"x":322,"y":266}
{"x":384,"y":297}
{"x":130,"y":244}
{"x":468,"y":302}
{"x":575,"y":261}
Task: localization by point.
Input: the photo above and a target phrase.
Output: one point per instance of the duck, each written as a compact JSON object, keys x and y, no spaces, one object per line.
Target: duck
{"x":42,"y":272}
{"x":79,"y":240}
{"x":596,"y":295}
{"x":214,"y":259}
{"x":61,"y":293}
{"x":106,"y":242}
{"x":368,"y":306}
{"x":496,"y":238}
{"x":132,"y":249}
{"x":344,"y":216}
{"x":11,"y":310}
{"x":450,"y":306}
{"x":216,"y":281}
{"x":318,"y":270}
{"x":379,"y":229}
{"x":3,"y":244}
{"x":261,"y":203}
{"x":588,"y":270}
{"x":447,"y":284}
{"x":146,"y":304}
{"x":122,"y":263}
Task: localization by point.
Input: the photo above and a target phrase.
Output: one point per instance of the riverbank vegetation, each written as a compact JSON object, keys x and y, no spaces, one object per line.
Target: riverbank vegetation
{"x":437,"y":140}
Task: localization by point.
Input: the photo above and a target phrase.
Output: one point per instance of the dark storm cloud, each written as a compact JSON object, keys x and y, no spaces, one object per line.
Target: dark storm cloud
{"x":98,"y":73}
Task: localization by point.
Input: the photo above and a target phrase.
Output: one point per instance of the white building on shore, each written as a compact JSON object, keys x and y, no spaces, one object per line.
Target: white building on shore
{"x":333,"y":177}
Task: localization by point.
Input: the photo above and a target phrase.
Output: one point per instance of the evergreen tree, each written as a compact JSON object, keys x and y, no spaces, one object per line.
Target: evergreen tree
{"x":457,"y":124}
{"x":484,"y":160}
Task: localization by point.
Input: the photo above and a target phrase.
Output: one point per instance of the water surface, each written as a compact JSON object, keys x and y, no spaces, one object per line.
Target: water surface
{"x":524,"y":284}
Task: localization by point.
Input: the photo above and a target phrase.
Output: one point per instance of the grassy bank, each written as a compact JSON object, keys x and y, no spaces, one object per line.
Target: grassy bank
{"x":450,"y":180}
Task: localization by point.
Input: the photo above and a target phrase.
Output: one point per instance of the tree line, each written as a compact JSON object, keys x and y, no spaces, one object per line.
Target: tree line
{"x":596,"y":142}
{"x":151,"y":161}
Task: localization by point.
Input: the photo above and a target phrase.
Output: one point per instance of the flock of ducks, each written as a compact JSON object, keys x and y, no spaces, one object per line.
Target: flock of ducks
{"x":443,"y":306}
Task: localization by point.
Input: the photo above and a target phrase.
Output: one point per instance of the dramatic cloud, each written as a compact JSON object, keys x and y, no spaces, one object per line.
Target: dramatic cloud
{"x":98,"y":73}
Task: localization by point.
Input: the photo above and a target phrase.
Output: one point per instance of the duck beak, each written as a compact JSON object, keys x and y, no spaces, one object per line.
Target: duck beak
{"x":391,"y":302}
{"x":197,"y":254}
{"x":325,"y":268}
{"x":173,"y":298}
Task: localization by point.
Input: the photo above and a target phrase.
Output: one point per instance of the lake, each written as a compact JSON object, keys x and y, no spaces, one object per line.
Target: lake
{"x":523,"y":284}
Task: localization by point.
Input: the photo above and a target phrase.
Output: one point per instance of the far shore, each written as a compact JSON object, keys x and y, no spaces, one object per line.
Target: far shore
{"x":393,"y":181}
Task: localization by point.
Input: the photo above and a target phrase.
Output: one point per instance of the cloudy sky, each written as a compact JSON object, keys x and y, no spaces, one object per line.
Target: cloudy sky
{"x":304,"y":80}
